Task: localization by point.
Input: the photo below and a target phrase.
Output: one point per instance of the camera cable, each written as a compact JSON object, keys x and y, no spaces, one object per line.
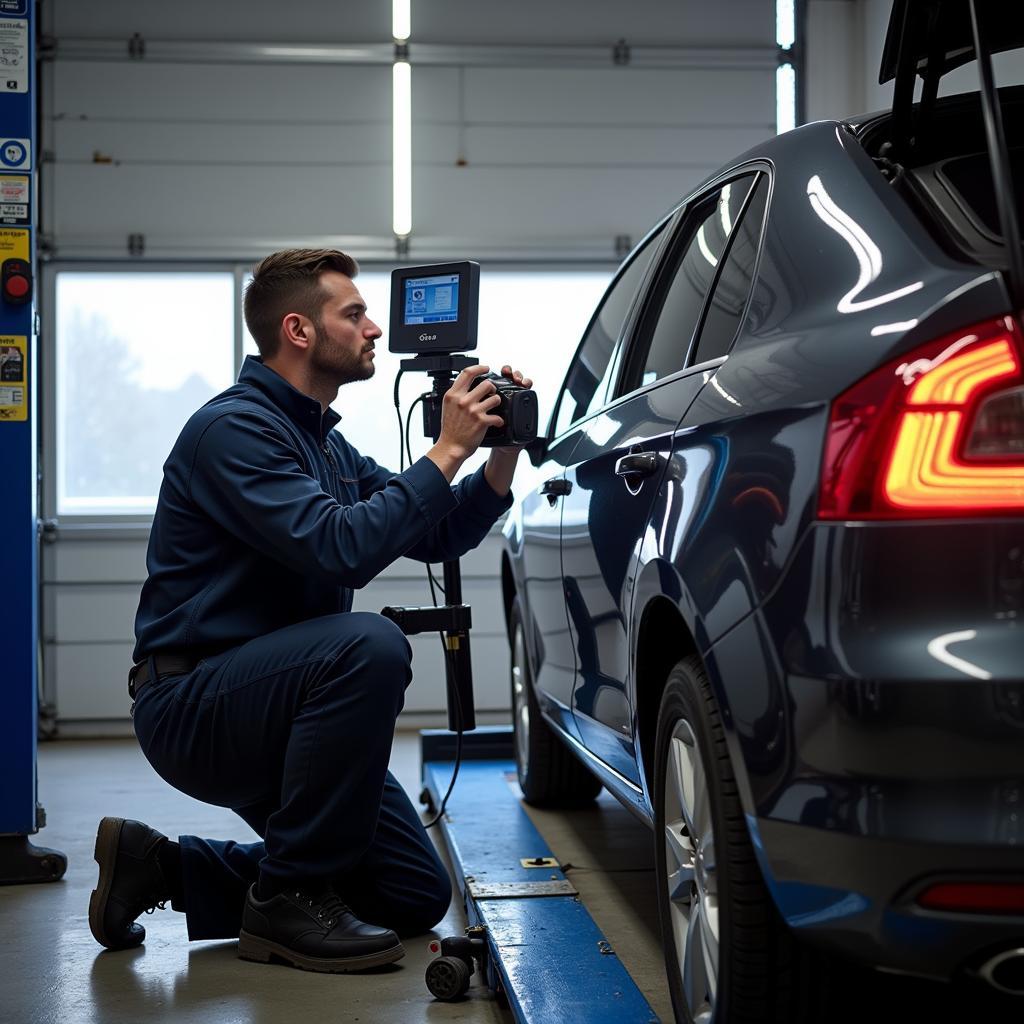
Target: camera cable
{"x":405,"y":449}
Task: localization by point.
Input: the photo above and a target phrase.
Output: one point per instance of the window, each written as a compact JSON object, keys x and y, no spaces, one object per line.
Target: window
{"x":725,"y":311}
{"x":137,"y":354}
{"x":697,"y":264}
{"x":587,"y":383}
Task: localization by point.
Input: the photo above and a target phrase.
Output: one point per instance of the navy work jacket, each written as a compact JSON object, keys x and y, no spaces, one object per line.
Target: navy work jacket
{"x":267,"y":516}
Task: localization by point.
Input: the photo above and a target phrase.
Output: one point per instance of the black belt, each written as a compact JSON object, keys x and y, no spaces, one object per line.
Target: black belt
{"x":164,"y":664}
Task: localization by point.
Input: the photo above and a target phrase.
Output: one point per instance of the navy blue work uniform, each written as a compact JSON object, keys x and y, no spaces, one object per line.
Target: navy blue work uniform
{"x":266,"y":522}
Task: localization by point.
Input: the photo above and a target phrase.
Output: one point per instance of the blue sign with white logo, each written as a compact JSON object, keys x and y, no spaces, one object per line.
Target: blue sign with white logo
{"x":15,"y":154}
{"x":15,"y":7}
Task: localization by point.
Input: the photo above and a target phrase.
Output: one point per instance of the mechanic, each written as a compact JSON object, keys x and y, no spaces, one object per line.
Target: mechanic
{"x":255,"y":685}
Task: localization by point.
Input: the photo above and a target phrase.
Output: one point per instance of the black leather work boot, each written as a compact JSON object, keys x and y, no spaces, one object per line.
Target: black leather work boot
{"x":314,"y":931}
{"x":131,"y":881}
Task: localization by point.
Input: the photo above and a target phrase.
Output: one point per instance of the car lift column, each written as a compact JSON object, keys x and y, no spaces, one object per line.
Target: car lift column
{"x":20,"y":815}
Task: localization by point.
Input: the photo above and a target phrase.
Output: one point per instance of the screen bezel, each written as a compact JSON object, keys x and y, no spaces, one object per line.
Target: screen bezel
{"x":448,"y":336}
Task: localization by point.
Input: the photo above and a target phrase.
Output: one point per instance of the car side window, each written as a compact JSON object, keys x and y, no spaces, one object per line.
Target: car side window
{"x":725,"y":311}
{"x":587,"y":379}
{"x":671,"y":325}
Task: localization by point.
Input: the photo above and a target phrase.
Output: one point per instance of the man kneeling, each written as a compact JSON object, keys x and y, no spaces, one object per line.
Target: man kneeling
{"x":256,"y":687}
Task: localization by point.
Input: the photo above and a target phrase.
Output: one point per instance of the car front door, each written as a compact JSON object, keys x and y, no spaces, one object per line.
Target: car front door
{"x":615,"y":471}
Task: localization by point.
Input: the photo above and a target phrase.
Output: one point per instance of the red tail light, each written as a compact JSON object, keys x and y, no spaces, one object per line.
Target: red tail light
{"x":937,"y":433}
{"x":976,"y":897}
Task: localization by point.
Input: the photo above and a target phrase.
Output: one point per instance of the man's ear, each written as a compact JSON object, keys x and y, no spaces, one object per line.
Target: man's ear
{"x":297,"y":330}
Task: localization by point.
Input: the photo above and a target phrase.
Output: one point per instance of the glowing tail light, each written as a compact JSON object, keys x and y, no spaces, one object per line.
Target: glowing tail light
{"x":938,"y":433}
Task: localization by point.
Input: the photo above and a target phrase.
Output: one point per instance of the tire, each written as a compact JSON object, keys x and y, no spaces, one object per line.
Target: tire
{"x":549,"y":774}
{"x":712,"y":901}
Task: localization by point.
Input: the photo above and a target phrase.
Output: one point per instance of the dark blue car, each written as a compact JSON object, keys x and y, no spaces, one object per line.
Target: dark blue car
{"x":767,"y":586}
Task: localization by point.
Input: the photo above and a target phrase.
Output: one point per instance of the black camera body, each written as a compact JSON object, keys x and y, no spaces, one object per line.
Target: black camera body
{"x":518,"y":409}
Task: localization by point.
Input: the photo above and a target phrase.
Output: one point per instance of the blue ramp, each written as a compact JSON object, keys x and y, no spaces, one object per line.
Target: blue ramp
{"x":547,"y":954}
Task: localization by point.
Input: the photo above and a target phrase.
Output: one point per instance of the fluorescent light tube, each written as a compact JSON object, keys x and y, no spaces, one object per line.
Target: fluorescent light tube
{"x":401,"y":78}
{"x":401,"y":24}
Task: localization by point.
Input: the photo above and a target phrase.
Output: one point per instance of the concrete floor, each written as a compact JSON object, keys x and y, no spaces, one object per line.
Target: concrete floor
{"x":53,"y":970}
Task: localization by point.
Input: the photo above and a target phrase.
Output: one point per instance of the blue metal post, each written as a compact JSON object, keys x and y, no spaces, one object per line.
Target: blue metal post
{"x":20,"y":861}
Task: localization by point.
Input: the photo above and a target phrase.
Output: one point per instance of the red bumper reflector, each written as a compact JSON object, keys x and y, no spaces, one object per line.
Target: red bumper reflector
{"x":974,"y":897}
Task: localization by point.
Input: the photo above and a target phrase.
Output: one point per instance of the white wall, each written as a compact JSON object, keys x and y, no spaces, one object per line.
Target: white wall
{"x":554,"y":154}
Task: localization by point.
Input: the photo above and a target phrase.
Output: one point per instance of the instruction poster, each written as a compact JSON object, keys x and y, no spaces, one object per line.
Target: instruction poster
{"x":13,"y":378}
{"x":14,"y":199}
{"x":14,"y":55}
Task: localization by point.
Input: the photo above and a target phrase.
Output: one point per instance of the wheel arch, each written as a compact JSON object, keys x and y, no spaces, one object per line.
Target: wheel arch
{"x":663,"y":639}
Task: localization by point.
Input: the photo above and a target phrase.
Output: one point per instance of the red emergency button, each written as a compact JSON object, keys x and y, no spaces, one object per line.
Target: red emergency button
{"x":16,"y":282}
{"x":17,"y":287}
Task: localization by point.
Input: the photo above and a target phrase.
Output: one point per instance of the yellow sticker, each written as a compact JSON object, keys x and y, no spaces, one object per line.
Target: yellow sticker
{"x":13,"y":244}
{"x":13,"y":378}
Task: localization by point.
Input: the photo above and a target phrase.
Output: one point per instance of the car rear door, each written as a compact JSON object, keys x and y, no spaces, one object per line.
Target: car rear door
{"x":614,"y":471}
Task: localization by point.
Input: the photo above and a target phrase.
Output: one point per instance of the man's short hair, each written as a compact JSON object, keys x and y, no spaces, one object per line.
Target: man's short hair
{"x":289,"y":282}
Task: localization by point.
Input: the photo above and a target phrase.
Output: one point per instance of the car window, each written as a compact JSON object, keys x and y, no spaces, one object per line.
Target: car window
{"x":725,"y":311}
{"x":670,"y":324}
{"x":587,"y":380}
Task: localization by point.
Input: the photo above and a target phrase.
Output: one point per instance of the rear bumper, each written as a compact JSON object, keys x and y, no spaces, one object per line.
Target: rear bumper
{"x":876,"y":712}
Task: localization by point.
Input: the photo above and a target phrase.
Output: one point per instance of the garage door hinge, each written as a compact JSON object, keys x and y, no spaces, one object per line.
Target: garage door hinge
{"x":136,"y":245}
{"x":136,"y":47}
{"x":621,"y":53}
{"x":48,"y":530}
{"x":623,"y":246}
{"x":47,"y":47}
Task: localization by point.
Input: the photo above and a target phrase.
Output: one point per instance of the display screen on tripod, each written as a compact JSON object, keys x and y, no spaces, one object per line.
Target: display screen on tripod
{"x":432,"y":300}
{"x":434,"y":308}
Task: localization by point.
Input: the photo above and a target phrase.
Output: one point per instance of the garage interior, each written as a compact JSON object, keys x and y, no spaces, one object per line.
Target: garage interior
{"x":178,"y":144}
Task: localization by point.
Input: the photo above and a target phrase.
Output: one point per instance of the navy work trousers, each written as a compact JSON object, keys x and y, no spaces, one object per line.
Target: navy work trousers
{"x":293,"y":732}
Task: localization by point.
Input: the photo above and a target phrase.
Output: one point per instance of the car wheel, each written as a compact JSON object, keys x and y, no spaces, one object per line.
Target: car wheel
{"x":549,"y":774}
{"x":730,"y":958}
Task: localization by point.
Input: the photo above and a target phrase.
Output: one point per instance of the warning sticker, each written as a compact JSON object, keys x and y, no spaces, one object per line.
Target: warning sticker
{"x":13,"y":378}
{"x":14,"y":199}
{"x":13,"y":244}
{"x":14,"y":55}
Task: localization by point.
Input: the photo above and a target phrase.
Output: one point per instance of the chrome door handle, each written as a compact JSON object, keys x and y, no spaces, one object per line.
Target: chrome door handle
{"x":637,"y":464}
{"x":556,"y":486}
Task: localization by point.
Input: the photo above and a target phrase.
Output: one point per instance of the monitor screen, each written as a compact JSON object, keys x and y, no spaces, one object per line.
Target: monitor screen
{"x":432,"y":300}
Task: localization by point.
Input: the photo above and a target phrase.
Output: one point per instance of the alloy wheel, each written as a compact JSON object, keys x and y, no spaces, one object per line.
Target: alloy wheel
{"x":692,"y":882}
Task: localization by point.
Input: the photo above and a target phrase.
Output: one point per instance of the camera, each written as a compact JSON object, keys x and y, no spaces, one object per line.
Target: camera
{"x":518,"y":409}
{"x":434,"y":312}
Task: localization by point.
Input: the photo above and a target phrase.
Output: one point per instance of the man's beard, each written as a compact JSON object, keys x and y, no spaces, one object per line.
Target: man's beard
{"x":337,"y":365}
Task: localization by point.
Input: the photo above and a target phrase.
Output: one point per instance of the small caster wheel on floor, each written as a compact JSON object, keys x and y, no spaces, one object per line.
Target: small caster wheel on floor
{"x":448,"y":978}
{"x":449,"y":972}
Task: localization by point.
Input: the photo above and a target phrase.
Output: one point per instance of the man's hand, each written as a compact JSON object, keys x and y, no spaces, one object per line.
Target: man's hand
{"x":465,"y":417}
{"x":501,"y":464}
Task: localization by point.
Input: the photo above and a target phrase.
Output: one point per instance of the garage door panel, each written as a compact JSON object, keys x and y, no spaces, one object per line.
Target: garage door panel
{"x":202,"y":206}
{"x":607,"y":96}
{"x":549,"y":204}
{"x":258,"y":93}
